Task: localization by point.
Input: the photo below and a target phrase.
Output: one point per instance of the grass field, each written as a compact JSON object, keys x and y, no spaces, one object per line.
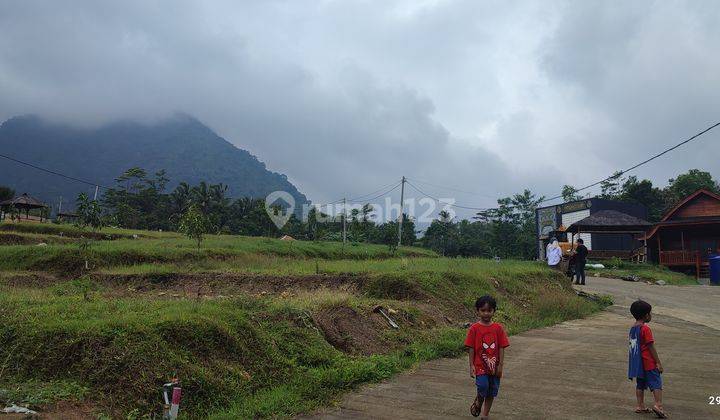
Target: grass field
{"x":644,"y":272}
{"x":253,"y":327}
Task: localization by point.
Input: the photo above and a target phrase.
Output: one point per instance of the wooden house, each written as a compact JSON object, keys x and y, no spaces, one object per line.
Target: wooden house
{"x":687,"y":234}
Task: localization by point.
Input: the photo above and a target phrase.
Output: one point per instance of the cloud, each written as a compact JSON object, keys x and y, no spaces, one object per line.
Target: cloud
{"x":347,"y":96}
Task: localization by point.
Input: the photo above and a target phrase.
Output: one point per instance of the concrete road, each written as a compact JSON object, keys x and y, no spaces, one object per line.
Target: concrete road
{"x":574,"y":370}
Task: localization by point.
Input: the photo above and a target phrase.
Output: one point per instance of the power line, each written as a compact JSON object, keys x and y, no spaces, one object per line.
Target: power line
{"x":361,"y":197}
{"x":614,"y":176}
{"x":452,"y":189}
{"x":94,"y":184}
{"x":379,"y":195}
{"x":622,"y":172}
{"x":441,"y":201}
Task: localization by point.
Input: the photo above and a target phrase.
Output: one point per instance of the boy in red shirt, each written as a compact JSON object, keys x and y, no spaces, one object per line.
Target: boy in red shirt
{"x":644,"y":364}
{"x":486,"y":341}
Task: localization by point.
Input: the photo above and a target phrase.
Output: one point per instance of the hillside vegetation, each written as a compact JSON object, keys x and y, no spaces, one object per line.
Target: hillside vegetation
{"x":181,"y":145}
{"x":252,"y":327}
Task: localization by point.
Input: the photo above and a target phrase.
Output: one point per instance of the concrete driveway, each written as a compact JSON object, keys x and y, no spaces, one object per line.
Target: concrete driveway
{"x":574,"y":370}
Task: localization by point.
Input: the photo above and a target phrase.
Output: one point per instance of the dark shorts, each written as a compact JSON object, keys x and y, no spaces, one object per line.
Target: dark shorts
{"x":652,"y":380}
{"x":487,"y":386}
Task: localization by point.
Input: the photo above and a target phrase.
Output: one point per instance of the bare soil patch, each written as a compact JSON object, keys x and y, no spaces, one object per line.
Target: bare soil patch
{"x":214,"y":284}
{"x":15,"y":239}
{"x":351,"y":331}
{"x":29,"y":279}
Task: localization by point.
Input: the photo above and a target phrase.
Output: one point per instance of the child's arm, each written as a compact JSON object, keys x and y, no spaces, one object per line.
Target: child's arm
{"x":499,"y":368}
{"x":471,"y":359}
{"x":655,"y":356}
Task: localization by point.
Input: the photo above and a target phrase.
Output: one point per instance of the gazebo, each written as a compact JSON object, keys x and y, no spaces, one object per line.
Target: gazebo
{"x":614,"y":222}
{"x":26,"y":203}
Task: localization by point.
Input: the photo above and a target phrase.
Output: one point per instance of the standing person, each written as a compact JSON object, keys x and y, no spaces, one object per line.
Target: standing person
{"x":643,"y":360}
{"x":486,"y":342}
{"x":580,"y":259}
{"x":554,"y":254}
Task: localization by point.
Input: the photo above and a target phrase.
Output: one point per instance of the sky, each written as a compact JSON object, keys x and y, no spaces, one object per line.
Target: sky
{"x":471,"y":100}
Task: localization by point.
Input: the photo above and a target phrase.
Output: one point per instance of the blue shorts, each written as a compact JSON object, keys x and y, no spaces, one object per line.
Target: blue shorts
{"x":652,"y":380}
{"x":487,"y":386}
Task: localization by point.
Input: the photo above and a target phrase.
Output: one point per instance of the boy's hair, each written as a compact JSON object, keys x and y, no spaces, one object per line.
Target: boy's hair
{"x":487,"y":299}
{"x":640,"y":308}
{"x":580,"y":241}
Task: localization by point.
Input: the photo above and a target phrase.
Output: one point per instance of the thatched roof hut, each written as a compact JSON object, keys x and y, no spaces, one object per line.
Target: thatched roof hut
{"x":24,"y":202}
{"x":610,"y":221}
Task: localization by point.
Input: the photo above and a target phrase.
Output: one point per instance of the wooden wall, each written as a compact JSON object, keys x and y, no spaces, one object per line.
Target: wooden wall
{"x":700,"y":206}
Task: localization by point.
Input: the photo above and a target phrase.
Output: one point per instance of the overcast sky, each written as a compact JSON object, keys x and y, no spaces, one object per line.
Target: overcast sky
{"x":346,"y":96}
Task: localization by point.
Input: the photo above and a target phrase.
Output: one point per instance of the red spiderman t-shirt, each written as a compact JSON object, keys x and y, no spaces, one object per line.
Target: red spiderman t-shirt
{"x":646,"y":338}
{"x":486,"y":340}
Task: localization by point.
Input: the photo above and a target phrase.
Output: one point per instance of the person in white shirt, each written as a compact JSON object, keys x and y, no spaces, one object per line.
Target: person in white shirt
{"x":554,"y":254}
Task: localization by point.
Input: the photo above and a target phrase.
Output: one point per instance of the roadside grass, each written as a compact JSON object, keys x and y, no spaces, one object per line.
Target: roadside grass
{"x":619,"y":269}
{"x":250,"y":357}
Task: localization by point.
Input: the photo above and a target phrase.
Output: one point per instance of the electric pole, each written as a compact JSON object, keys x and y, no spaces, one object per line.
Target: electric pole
{"x":344,"y":216}
{"x":97,"y":187}
{"x":402,"y":198}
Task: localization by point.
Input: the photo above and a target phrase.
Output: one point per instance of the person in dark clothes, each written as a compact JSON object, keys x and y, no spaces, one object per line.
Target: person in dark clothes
{"x":580,"y":258}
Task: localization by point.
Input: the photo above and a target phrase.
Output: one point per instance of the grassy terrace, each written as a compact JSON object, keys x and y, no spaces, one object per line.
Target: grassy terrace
{"x":644,"y":272}
{"x":253,"y":327}
{"x":163,"y":247}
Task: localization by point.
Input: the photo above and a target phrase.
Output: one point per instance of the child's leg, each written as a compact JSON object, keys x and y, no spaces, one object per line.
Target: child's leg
{"x":640,"y":394}
{"x":493,"y":387}
{"x":476,"y":407}
{"x":657,"y":394}
{"x":479,"y":399}
{"x":486,"y":407}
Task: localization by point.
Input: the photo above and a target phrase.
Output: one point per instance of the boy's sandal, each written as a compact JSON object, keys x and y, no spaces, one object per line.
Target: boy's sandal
{"x":475,"y":408}
{"x":643,"y":411}
{"x":659,"y":413}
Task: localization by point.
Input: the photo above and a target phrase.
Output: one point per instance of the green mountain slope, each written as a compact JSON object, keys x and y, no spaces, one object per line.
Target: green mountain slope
{"x":187,"y":149}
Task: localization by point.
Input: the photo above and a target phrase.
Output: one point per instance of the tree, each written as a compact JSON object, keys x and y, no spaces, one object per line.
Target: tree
{"x":570,"y":193}
{"x":610,"y":188}
{"x":511,"y":230}
{"x":179,"y":201}
{"x":138,"y":201}
{"x":686,"y":184}
{"x":6,"y":193}
{"x":643,"y":192}
{"x":89,"y":213}
{"x":133,"y":179}
{"x":194,"y":224}
{"x":442,"y":235}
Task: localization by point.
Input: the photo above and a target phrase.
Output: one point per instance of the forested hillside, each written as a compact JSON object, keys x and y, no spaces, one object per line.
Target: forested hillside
{"x":185,"y":148}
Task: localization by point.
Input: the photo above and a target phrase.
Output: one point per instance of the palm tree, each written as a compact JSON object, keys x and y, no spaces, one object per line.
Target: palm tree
{"x":202,"y":197}
{"x":180,"y":198}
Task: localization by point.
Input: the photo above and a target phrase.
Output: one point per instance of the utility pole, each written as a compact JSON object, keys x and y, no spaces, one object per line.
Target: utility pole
{"x":60,"y":206}
{"x":344,"y":221}
{"x":97,"y":187}
{"x":402,"y":198}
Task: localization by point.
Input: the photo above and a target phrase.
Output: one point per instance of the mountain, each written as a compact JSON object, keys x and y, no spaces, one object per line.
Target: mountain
{"x":187,"y":149}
